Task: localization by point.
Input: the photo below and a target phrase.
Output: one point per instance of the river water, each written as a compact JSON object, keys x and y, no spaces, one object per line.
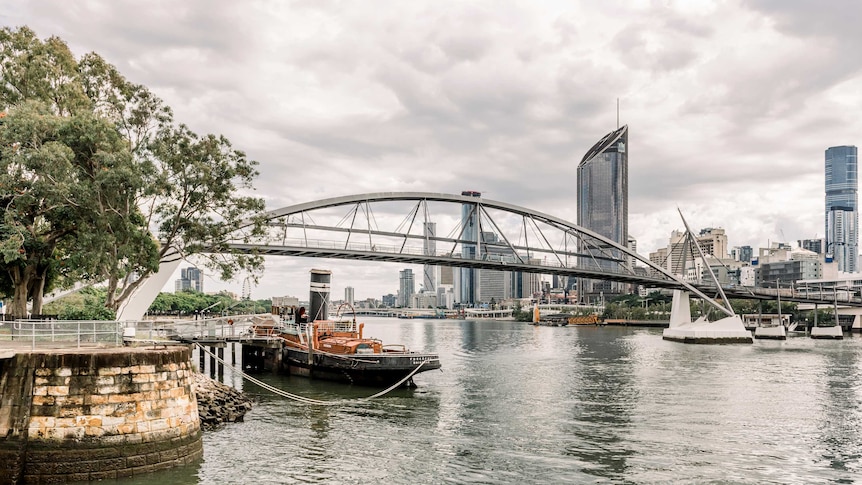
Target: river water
{"x":521,"y":404}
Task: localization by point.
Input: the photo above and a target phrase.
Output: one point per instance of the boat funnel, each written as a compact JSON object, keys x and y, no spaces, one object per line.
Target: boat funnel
{"x":319,"y":294}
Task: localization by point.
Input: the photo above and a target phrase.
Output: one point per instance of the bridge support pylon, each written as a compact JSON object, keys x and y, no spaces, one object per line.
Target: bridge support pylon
{"x":834,"y":332}
{"x":728,"y":330}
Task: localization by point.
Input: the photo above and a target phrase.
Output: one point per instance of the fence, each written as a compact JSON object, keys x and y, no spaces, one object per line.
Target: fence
{"x":219,"y":328}
{"x":67,"y":333}
{"x":107,"y":333}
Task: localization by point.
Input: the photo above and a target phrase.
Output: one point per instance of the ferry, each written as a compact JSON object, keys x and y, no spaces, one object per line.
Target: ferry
{"x":336,"y":350}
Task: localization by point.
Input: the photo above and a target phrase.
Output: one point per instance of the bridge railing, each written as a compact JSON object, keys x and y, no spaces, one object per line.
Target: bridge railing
{"x":218,"y":328}
{"x":571,"y":262}
{"x":66,"y":333}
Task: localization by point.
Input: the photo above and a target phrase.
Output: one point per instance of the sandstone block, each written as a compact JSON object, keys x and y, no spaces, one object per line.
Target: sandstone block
{"x":58,"y":390}
{"x":141,"y":378}
{"x":88,"y":421}
{"x":112,"y":421}
{"x":43,"y":400}
{"x":159,"y":424}
{"x":105,"y":381}
{"x":94,"y":431}
{"x":143,"y":369}
{"x":108,"y":390}
{"x":109,"y":371}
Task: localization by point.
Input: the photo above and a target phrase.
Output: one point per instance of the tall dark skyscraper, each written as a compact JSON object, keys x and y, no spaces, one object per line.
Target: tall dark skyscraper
{"x":467,"y":284}
{"x":842,"y":217}
{"x":603,"y":198}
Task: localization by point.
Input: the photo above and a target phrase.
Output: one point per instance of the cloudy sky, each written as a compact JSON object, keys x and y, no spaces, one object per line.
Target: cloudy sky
{"x":730,"y":104}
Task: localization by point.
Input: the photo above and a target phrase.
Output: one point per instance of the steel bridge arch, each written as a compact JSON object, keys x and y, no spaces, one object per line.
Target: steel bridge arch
{"x":593,"y":258}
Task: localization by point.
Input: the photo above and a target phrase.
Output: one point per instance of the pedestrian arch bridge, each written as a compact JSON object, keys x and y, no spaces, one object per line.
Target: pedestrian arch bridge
{"x":447,"y":230}
{"x":460,"y":231}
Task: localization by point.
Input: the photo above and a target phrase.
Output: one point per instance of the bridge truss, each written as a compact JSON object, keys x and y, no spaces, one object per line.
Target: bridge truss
{"x":450,"y":231}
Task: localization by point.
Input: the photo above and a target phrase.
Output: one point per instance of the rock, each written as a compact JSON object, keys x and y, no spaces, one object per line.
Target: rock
{"x":218,"y":403}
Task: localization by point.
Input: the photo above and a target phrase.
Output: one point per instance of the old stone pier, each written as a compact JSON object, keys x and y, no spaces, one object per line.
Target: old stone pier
{"x":92,"y":414}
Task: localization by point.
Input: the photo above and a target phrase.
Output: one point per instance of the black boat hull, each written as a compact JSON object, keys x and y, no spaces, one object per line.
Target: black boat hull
{"x":379,"y":370}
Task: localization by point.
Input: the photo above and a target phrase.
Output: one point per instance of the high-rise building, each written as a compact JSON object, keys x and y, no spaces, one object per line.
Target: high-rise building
{"x":447,"y":275}
{"x":603,"y":181}
{"x":429,"y":271}
{"x":742,"y":254}
{"x":713,"y":240}
{"x":348,"y":295}
{"x":842,"y":218}
{"x":467,"y":285}
{"x":813,"y":245}
{"x":496,"y":285}
{"x":406,"y":287}
{"x":190,"y":279}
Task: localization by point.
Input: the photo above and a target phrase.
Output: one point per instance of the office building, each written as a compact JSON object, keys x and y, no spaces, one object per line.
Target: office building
{"x":603,"y":205}
{"x":682,"y":258}
{"x":494,"y":285}
{"x":786,"y":273}
{"x":448,"y":275}
{"x":713,"y":241}
{"x":742,"y":254}
{"x":190,"y":279}
{"x":813,"y":245}
{"x":466,"y":285}
{"x":842,"y":218}
{"x":406,"y":287}
{"x":348,"y":295}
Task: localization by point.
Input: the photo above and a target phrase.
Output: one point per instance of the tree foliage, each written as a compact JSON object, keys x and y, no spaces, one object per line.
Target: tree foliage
{"x":98,"y":182}
{"x":87,"y":304}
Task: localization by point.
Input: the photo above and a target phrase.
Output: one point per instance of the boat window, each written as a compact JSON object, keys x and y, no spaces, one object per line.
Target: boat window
{"x":364,"y":349}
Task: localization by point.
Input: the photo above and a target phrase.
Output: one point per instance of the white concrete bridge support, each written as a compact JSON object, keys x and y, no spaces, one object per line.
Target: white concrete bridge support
{"x":727,"y":330}
{"x":772,"y":332}
{"x":834,"y":332}
{"x":137,"y":305}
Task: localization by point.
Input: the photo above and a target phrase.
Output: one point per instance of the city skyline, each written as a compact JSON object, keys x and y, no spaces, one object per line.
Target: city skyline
{"x":732,"y":103}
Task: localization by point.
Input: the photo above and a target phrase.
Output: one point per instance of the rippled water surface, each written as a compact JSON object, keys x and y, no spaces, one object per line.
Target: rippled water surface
{"x":521,"y":404}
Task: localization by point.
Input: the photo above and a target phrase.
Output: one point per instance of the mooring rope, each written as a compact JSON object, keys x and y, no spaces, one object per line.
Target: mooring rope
{"x":303,"y":399}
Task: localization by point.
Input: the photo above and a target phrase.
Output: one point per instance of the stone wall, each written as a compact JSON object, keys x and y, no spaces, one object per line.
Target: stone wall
{"x":95,"y":414}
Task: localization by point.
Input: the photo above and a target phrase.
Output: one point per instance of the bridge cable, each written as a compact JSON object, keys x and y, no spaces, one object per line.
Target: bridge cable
{"x":303,"y":399}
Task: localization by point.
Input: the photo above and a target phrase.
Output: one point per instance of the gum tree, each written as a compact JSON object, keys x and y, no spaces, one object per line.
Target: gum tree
{"x":98,"y":182}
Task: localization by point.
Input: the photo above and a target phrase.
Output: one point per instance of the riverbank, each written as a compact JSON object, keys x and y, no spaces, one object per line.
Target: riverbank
{"x":218,"y":403}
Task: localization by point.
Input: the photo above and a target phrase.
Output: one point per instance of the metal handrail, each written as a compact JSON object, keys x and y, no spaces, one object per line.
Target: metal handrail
{"x":67,"y":332}
{"x":218,"y":328}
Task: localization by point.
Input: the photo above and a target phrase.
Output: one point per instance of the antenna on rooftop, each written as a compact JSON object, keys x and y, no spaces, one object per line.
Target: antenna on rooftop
{"x":618,"y":113}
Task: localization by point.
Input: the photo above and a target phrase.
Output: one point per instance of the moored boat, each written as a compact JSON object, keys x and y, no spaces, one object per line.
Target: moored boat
{"x":337,"y":350}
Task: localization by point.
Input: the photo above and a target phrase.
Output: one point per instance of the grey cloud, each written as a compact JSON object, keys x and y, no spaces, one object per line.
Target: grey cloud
{"x":824,"y":18}
{"x":632,"y":45}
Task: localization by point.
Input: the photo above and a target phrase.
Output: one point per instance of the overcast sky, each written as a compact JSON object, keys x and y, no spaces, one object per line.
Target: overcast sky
{"x":730,"y":104}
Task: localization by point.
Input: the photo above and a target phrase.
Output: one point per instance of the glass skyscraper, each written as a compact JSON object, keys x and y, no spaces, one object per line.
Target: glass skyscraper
{"x":842,"y":218}
{"x":603,"y":198}
{"x":468,"y":281}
